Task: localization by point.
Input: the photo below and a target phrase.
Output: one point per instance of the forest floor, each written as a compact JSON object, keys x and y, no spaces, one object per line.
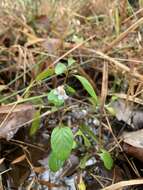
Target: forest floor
{"x":71,"y":94}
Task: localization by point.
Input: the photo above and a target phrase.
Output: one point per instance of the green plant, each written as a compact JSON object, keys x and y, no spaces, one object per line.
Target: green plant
{"x":106,"y":158}
{"x":88,"y":87}
{"x":61,"y":144}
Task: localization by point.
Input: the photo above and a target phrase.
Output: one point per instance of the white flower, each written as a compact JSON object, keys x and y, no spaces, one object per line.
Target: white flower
{"x":61,"y":93}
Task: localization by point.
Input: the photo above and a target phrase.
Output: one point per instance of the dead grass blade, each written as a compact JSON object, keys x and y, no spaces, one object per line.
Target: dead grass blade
{"x":123,"y":35}
{"x":19,"y":159}
{"x":122,"y":184}
{"x":130,"y":98}
{"x":2,"y":160}
{"x":119,"y":65}
{"x":104,"y":90}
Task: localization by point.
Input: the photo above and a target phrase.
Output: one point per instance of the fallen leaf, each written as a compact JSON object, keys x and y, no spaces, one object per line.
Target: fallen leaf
{"x":134,"y":138}
{"x":16,"y":117}
{"x":133,"y":144}
{"x":125,"y":112}
{"x":133,"y":151}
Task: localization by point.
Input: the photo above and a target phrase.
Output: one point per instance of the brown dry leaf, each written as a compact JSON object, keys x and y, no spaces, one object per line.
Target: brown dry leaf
{"x":134,"y":138}
{"x":133,"y":144}
{"x":133,"y":151}
{"x":125,"y":112}
{"x":19,"y":159}
{"x":17,"y":116}
{"x":52,"y":45}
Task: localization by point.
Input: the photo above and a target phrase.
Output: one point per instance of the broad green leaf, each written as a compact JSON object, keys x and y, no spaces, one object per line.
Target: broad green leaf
{"x":45,"y":74}
{"x":54,"y":98}
{"x":62,"y":142}
{"x":36,"y":123}
{"x":54,"y":163}
{"x":87,"y":86}
{"x":107,"y":159}
{"x":60,"y":68}
{"x":71,"y":61}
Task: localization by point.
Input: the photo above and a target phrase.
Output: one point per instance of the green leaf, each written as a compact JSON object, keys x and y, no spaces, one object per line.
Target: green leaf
{"x":87,"y":86}
{"x":85,"y":129}
{"x":69,"y":89}
{"x":86,"y":141}
{"x":83,"y":161}
{"x":35,"y":124}
{"x":107,"y":159}
{"x":45,"y":74}
{"x":54,"y":98}
{"x":77,"y":39}
{"x":54,"y":163}
{"x":60,"y":68}
{"x":111,"y":110}
{"x":114,"y":98}
{"x":74,"y":145}
{"x":62,"y":142}
{"x":71,"y":61}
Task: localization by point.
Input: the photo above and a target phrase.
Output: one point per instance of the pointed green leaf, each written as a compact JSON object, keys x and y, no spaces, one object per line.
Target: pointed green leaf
{"x":71,"y":61}
{"x":88,"y":87}
{"x":35,"y":124}
{"x":54,"y":163}
{"x":45,"y":74}
{"x":107,"y":159}
{"x":111,"y":110}
{"x":62,"y":142}
{"x":60,"y":68}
